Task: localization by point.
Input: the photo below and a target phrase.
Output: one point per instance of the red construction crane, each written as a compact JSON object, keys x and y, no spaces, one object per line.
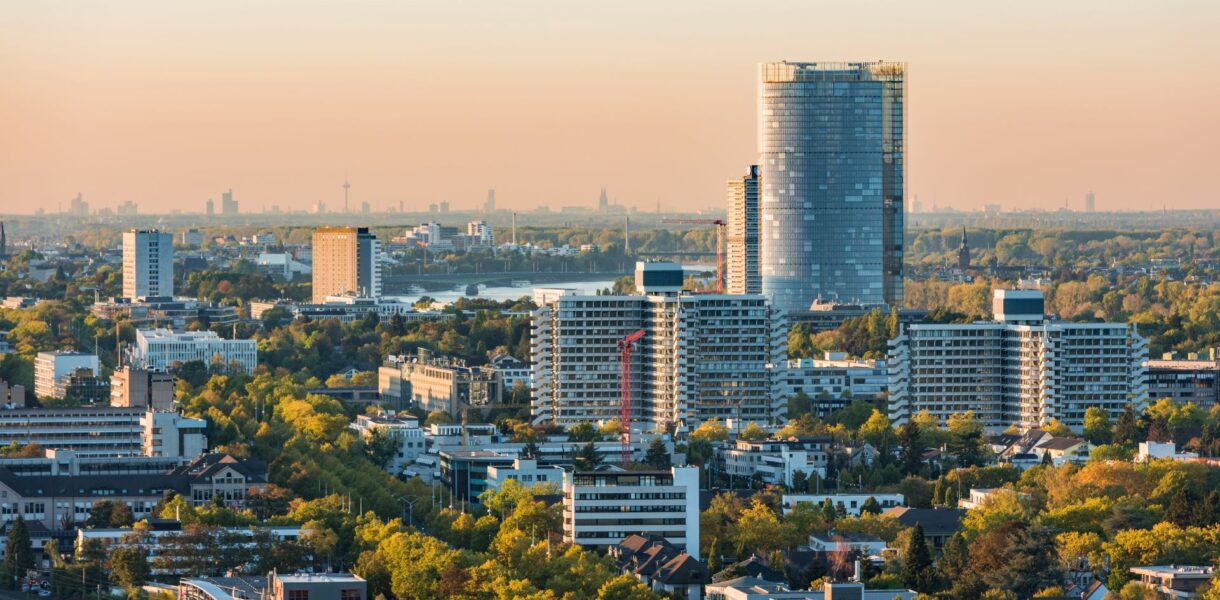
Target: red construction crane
{"x":625,"y":346}
{"x":720,"y":225}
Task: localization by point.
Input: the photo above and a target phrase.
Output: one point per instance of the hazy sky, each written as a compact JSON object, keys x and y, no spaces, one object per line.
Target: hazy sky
{"x":169,"y":103}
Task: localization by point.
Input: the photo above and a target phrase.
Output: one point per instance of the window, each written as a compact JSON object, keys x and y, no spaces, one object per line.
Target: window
{"x":298,"y":594}
{"x":350,"y":595}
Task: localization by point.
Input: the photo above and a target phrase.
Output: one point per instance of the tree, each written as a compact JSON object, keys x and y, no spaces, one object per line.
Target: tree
{"x":381,"y":447}
{"x":584,"y":432}
{"x":129,"y":566}
{"x":752,"y":432}
{"x":1097,"y":427}
{"x":966,"y":438}
{"x":714,"y":564}
{"x":917,"y":573}
{"x":711,"y":430}
{"x":1127,"y":429}
{"x":876,"y":430}
{"x":870,"y":506}
{"x":624,"y":587}
{"x":658,"y":456}
{"x":18,"y":558}
{"x":910,"y":439}
{"x":587,"y":458}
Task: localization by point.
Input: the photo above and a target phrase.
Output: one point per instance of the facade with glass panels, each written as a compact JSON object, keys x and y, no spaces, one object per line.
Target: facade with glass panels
{"x":831,"y":144}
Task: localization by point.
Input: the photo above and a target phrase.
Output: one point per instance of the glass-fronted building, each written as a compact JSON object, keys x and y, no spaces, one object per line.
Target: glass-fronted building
{"x":831,"y":148}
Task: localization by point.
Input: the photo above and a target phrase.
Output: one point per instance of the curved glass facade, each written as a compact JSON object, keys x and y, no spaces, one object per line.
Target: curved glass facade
{"x":831,"y":150}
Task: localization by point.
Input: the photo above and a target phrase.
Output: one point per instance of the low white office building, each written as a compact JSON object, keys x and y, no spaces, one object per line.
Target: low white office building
{"x":851,"y":503}
{"x":602,"y":507}
{"x":777,"y":461}
{"x":835,"y":381}
{"x":527,"y":472}
{"x":404,"y":431}
{"x":161,"y":349}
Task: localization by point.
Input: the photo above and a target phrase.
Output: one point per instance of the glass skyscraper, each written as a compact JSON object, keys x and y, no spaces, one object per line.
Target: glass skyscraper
{"x":831,"y":150}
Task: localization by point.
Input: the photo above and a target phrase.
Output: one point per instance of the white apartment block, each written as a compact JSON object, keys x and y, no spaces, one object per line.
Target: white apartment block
{"x":851,"y":503}
{"x":148,"y":264}
{"x":600,"y":508}
{"x":526,"y":472}
{"x":481,"y":233}
{"x":836,"y":381}
{"x":405,"y":432}
{"x":702,"y":356}
{"x":777,"y":461}
{"x":1021,"y":368}
{"x":51,"y":370}
{"x":160,"y":349}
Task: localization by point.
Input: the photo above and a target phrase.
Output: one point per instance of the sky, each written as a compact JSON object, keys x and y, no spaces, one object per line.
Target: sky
{"x":1025,"y":104}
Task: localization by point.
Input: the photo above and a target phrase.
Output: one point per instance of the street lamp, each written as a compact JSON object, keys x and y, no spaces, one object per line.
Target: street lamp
{"x":409,"y":508}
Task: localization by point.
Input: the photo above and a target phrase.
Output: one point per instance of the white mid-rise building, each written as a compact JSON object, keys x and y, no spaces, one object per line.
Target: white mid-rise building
{"x":161,"y":349}
{"x":834,"y":382}
{"x":405,"y":433}
{"x":51,"y":369}
{"x":148,"y":264}
{"x":850,"y":503}
{"x":777,"y":461}
{"x":481,"y":233}
{"x":700,"y":356}
{"x":1021,"y":368}
{"x":600,"y":508}
{"x":527,"y":472}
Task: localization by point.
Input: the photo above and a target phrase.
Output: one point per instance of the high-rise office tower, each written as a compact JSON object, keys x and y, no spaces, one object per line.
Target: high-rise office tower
{"x":742,"y":250}
{"x":1090,"y":202}
{"x":211,"y":207}
{"x":831,"y":147}
{"x":345,"y":260}
{"x":490,"y":205}
{"x":148,"y":264}
{"x":228,"y":206}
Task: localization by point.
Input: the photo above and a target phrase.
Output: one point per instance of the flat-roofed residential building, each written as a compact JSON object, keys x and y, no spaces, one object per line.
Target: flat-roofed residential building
{"x":850,"y":503}
{"x":404,"y":433}
{"x":1020,"y":369}
{"x":1184,"y":381}
{"x":162,"y":349}
{"x":602,"y":507}
{"x":701,"y":357}
{"x":834,"y":382}
{"x":777,"y":461}
{"x":438,"y":383}
{"x":741,"y":245}
{"x":345,"y":260}
{"x":148,"y":264}
{"x":1175,"y":581}
{"x":274,"y":586}
{"x":52,"y":369}
{"x":142,"y":388}
{"x":525,"y":471}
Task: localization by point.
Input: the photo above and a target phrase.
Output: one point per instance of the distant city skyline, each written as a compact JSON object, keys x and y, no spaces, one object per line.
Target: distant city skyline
{"x":167,"y":105}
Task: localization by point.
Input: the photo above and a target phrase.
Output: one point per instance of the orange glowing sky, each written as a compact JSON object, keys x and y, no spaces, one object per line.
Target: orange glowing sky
{"x":169,"y":103}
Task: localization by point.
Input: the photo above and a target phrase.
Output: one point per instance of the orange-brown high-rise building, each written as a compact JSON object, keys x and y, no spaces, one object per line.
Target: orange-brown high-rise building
{"x":345,"y":260}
